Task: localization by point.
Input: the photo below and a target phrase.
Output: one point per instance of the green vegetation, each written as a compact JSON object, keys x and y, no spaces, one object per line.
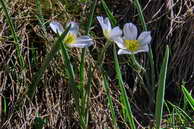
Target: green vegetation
{"x":144,"y":82}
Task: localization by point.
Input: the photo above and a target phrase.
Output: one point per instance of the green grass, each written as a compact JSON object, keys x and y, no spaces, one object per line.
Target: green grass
{"x":150,"y":87}
{"x":87,"y":88}
{"x":85,"y":91}
{"x":37,"y":77}
{"x":161,"y":90}
{"x":110,"y":102}
{"x":126,"y":107}
{"x":188,"y":97}
{"x":14,"y":34}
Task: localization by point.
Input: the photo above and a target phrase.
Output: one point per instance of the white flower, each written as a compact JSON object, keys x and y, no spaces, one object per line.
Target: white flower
{"x":71,"y":39}
{"x":130,"y":44}
{"x":111,"y":34}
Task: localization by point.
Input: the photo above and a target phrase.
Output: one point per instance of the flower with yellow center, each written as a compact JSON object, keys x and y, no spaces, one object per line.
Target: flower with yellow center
{"x":71,"y":39}
{"x":130,"y":44}
{"x":110,"y":33}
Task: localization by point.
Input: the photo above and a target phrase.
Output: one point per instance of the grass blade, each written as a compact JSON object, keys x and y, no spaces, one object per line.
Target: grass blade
{"x":180,"y":112}
{"x":161,"y":90}
{"x":85,"y":100}
{"x":40,"y":16}
{"x":37,"y":77}
{"x":110,"y":101}
{"x":109,"y":13}
{"x":84,"y":49}
{"x":67,"y":62}
{"x":85,"y":92}
{"x":39,"y":11}
{"x":126,"y":103}
{"x":16,"y":40}
{"x":150,"y":53}
{"x":141,"y":17}
{"x":188,"y":97}
{"x":102,"y":54}
{"x":5,"y":105}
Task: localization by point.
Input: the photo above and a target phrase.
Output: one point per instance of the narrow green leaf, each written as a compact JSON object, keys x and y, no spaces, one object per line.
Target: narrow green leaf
{"x":84,"y":49}
{"x":161,"y":90}
{"x":180,"y":112}
{"x":150,"y":53}
{"x":109,"y":13}
{"x":14,"y":34}
{"x":37,"y":77}
{"x":87,"y":96}
{"x":188,"y":97}
{"x":5,"y":105}
{"x":110,"y":101}
{"x":39,"y":15}
{"x":102,"y":54}
{"x":67,"y":62}
{"x":85,"y":92}
{"x":141,"y":17}
{"x":126,"y":104}
{"x":39,"y":10}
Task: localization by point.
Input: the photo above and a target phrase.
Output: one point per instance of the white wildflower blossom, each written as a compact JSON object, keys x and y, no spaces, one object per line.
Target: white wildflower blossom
{"x":130,"y":43}
{"x":72,"y":39}
{"x":110,"y":33}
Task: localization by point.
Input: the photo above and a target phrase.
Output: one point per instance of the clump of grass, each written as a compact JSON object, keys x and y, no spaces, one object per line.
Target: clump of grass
{"x":14,"y":35}
{"x":74,"y":89}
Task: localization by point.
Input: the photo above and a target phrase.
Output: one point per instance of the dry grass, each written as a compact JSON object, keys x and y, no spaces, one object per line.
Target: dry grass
{"x":170,"y":23}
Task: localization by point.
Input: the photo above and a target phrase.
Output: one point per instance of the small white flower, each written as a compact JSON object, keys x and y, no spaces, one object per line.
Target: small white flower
{"x":130,"y":44}
{"x":71,"y":39}
{"x":110,"y":34}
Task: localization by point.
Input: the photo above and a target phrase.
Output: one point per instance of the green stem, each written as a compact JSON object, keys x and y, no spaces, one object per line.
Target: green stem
{"x":150,"y":53}
{"x":136,"y":64}
{"x":127,"y":106}
{"x":84,"y":49}
{"x":103,"y":53}
{"x":84,"y":92}
{"x":68,"y":62}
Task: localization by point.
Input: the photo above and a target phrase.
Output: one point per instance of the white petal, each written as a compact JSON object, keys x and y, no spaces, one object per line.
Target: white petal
{"x":100,"y":20}
{"x":82,"y":42}
{"x":104,"y":23}
{"x":56,"y":27}
{"x":145,"y":37}
{"x":74,"y":27}
{"x":120,"y":43}
{"x":144,"y":48}
{"x":130,"y":31}
{"x":107,"y":23}
{"x":123,"y":51}
{"x":116,"y":32}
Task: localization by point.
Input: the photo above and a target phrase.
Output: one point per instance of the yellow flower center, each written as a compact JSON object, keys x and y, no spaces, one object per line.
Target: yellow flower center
{"x":70,"y":38}
{"x":132,"y":45}
{"x":106,"y":33}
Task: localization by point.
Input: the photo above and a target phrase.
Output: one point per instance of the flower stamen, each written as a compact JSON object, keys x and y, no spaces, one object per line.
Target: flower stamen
{"x":106,"y":33}
{"x":132,"y":45}
{"x":70,"y":38}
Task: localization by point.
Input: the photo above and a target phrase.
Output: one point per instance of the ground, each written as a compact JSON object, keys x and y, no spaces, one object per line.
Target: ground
{"x":54,"y":105}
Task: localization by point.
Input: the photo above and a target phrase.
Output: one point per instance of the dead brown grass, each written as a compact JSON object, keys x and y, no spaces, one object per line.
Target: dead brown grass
{"x":170,"y":23}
